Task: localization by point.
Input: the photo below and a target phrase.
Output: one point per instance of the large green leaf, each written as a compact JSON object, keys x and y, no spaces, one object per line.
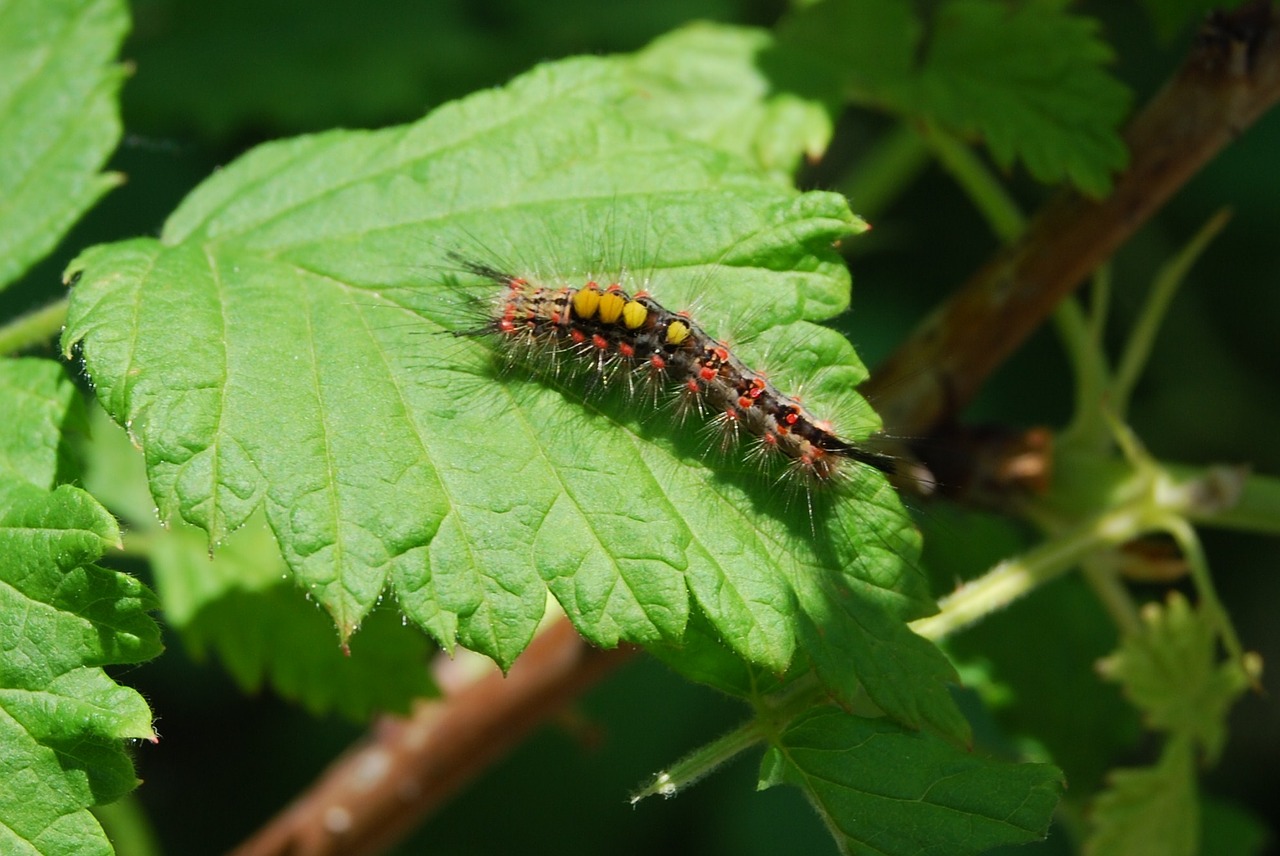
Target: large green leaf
{"x":883,"y":790}
{"x":62,"y":719}
{"x":58,"y":119}
{"x":284,"y":344}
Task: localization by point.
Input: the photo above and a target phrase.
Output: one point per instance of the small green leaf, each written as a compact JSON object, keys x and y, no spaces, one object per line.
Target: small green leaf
{"x":59,"y":119}
{"x":1026,"y":78}
{"x":1173,"y":673}
{"x":286,"y":345}
{"x":883,"y":790}
{"x":1151,"y":811}
{"x":61,"y":619}
{"x":1029,"y":80}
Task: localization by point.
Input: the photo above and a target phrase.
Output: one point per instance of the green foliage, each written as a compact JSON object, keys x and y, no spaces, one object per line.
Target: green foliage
{"x":240,"y":604}
{"x":1150,"y":810}
{"x":299,"y":419}
{"x":1026,"y":78}
{"x":64,"y":618}
{"x":1173,"y":674}
{"x":58,"y":120}
{"x":851,"y":770}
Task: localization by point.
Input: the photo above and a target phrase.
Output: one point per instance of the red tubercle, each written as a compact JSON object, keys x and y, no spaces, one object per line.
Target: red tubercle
{"x":707,"y":373}
{"x":600,"y":342}
{"x":577,"y":336}
{"x":626,"y":349}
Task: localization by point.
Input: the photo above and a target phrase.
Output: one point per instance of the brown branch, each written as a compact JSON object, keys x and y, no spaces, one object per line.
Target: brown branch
{"x":381,"y":789}
{"x":1230,"y":78}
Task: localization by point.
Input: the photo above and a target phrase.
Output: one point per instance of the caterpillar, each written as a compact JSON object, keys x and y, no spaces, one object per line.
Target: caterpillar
{"x":608,"y":331}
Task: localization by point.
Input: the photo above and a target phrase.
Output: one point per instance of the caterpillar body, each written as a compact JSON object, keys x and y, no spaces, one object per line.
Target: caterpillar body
{"x":611,"y":332}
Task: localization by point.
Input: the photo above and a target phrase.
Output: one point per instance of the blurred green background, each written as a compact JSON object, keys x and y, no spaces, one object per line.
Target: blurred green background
{"x":212,"y":79}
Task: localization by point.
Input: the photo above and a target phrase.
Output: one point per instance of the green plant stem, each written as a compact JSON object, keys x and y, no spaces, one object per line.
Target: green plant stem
{"x":34,"y":328}
{"x":1256,"y":508}
{"x":703,"y":761}
{"x":771,"y":717}
{"x":1138,"y":348}
{"x":1156,"y":499}
{"x":886,"y":171}
{"x":1014,"y":578}
{"x":1112,"y":593}
{"x":1198,"y":563}
{"x":986,"y":193}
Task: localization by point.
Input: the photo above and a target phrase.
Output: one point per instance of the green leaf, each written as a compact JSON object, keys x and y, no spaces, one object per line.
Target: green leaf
{"x":61,"y":619}
{"x":43,"y":409}
{"x":1026,"y":78}
{"x":884,"y":790}
{"x":1172,"y":672}
{"x":58,"y":119}
{"x":1151,"y":811}
{"x":710,"y":83}
{"x":285,"y":346}
{"x":63,"y":717}
{"x":1057,"y":697}
{"x":703,"y":657}
{"x":240,"y":605}
{"x":870,"y":46}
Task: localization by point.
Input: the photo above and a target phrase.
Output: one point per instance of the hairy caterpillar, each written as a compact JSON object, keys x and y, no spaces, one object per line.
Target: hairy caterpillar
{"x":611,"y":333}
